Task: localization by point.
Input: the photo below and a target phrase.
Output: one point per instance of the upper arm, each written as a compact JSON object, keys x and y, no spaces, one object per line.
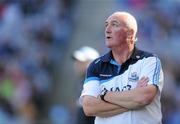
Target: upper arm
{"x":89,"y":97}
{"x":87,"y":103}
{"x":153,"y":70}
{"x":91,"y":86}
{"x":92,"y":104}
{"x":149,"y":92}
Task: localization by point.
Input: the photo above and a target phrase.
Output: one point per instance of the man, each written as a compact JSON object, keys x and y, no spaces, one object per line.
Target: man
{"x":82,"y":58}
{"x":123,"y":86}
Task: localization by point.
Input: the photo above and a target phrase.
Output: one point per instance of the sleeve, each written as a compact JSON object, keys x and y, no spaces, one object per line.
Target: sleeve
{"x":91,"y":83}
{"x":153,"y":70}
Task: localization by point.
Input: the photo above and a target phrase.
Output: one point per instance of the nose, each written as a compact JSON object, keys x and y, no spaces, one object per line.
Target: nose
{"x":108,"y":29}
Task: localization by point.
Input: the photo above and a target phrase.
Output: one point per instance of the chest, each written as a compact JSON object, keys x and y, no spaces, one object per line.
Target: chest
{"x":114,"y":79}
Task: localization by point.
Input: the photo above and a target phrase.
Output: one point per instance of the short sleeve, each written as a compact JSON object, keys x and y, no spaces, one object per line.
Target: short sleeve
{"x":153,"y":70}
{"x":91,"y":83}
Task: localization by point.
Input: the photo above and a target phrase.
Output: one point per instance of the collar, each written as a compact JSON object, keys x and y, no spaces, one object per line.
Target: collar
{"x":135,"y":55}
{"x":107,"y":57}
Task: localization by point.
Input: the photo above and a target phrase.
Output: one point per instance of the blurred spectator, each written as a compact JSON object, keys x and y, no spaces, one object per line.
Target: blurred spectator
{"x":82,"y":58}
{"x":31,"y":41}
{"x":59,"y":115}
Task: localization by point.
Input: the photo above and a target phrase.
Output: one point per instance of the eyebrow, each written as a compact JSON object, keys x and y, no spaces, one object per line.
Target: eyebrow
{"x":112,"y":21}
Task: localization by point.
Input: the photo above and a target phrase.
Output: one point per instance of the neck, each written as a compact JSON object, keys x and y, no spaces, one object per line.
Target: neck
{"x":122,"y":55}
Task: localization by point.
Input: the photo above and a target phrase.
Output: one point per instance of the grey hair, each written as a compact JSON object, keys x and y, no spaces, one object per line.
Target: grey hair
{"x":131,"y":22}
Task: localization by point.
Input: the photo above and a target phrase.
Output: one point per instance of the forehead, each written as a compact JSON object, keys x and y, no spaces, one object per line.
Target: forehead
{"x":112,"y":17}
{"x":116,"y":18}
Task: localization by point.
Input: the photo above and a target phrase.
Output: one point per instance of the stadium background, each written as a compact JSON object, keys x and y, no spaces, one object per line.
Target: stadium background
{"x":37,"y":37}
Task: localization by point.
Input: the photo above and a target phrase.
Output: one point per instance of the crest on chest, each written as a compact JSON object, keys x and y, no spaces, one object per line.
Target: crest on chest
{"x":133,"y":77}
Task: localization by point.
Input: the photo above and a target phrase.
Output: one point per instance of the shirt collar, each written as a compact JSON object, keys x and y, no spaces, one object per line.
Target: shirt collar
{"x":107,"y":57}
{"x":135,"y":55}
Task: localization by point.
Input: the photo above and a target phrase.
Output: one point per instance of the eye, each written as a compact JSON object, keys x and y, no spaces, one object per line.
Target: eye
{"x":106,"y":24}
{"x":114,"y":24}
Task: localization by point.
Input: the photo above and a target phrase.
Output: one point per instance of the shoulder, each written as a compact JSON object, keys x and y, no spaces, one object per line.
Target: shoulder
{"x":146,"y":55}
{"x":101,"y":60}
{"x":149,"y":58}
{"x":94,"y":64}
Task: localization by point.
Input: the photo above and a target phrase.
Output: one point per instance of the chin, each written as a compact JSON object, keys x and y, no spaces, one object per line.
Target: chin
{"x":108,"y":44}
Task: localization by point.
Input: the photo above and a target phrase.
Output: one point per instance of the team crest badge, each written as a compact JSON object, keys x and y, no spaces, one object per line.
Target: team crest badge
{"x":133,"y":77}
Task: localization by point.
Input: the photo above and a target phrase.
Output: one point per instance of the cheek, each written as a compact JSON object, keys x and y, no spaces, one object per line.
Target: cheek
{"x":121,"y":36}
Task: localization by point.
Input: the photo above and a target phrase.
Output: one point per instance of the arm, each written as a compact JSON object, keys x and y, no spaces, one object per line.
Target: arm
{"x":95,"y":107}
{"x":133,"y":99}
{"x":112,"y":112}
{"x":92,"y":105}
{"x":141,"y":96}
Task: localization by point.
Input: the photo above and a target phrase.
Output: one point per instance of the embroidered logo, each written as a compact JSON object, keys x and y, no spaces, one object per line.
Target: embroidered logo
{"x":134,"y":77}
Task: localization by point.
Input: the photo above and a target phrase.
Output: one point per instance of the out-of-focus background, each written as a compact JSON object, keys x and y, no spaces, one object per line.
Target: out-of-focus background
{"x":38,"y":84}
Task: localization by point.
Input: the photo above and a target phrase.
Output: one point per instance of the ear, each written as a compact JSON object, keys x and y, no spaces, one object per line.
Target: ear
{"x":130,"y":35}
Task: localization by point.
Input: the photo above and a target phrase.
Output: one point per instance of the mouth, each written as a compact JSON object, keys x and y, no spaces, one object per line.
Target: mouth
{"x":108,"y":37}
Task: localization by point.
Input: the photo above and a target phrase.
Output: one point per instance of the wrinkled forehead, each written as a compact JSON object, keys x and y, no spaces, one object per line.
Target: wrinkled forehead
{"x":116,"y":17}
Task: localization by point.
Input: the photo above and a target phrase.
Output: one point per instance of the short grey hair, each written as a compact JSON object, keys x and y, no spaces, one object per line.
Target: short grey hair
{"x":130,"y":22}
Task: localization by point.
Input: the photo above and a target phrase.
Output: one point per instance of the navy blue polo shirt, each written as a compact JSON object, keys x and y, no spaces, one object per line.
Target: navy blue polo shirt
{"x":105,"y":72}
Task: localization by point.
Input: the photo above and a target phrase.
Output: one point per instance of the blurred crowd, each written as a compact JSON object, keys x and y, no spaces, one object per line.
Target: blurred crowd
{"x":33,"y":36}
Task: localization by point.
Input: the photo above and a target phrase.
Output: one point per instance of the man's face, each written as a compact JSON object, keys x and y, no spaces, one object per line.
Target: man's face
{"x":115,"y":31}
